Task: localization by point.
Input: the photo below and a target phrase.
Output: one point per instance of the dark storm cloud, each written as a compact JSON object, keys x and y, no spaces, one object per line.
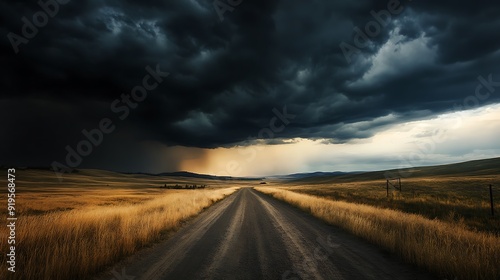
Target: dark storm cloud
{"x":227,"y":76}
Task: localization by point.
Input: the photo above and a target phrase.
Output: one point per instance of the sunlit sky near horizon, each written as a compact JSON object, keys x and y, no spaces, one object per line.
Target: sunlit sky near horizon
{"x":270,"y":87}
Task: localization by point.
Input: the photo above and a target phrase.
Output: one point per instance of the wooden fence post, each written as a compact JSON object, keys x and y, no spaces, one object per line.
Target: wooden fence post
{"x":491,"y":201}
{"x":387,"y":185}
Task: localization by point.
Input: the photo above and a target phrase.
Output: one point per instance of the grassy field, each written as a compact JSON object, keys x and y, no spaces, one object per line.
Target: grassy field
{"x":463,"y":200}
{"x":76,"y":228}
{"x":441,"y":219}
{"x":39,"y":191}
{"x":449,"y":250}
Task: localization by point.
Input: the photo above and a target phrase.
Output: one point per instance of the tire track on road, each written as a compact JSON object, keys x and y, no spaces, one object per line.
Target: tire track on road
{"x":250,"y":235}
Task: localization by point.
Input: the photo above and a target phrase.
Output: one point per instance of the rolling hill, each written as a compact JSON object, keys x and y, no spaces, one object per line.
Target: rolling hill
{"x":469,"y":168}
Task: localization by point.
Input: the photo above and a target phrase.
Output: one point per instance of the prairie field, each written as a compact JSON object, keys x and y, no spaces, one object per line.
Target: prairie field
{"x":463,"y":200}
{"x":76,"y":228}
{"x":442,"y":224}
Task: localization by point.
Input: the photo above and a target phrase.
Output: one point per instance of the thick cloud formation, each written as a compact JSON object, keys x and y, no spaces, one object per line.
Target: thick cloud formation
{"x":227,"y":76}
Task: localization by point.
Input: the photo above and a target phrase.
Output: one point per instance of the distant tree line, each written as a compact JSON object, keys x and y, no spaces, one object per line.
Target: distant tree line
{"x":183,"y":187}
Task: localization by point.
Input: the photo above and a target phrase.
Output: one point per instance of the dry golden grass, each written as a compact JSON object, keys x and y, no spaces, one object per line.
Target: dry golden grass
{"x":446,"y":249}
{"x":39,"y":191}
{"x":63,"y":236}
{"x":463,"y":199}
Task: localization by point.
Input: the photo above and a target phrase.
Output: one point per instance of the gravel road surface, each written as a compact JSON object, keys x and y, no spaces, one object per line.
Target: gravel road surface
{"x":249,"y":235}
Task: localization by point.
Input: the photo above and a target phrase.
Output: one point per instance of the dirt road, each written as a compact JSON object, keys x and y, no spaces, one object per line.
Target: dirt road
{"x":249,"y":235}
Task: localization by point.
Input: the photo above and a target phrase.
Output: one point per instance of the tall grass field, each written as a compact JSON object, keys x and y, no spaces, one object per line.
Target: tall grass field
{"x":69,"y":232}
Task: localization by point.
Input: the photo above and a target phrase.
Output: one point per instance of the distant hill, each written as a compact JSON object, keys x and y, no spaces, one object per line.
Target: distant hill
{"x":312,"y":174}
{"x":192,"y":175}
{"x":469,"y":168}
{"x":199,"y":176}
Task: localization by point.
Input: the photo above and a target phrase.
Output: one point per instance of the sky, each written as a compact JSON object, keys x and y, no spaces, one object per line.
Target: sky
{"x":248,"y":88}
